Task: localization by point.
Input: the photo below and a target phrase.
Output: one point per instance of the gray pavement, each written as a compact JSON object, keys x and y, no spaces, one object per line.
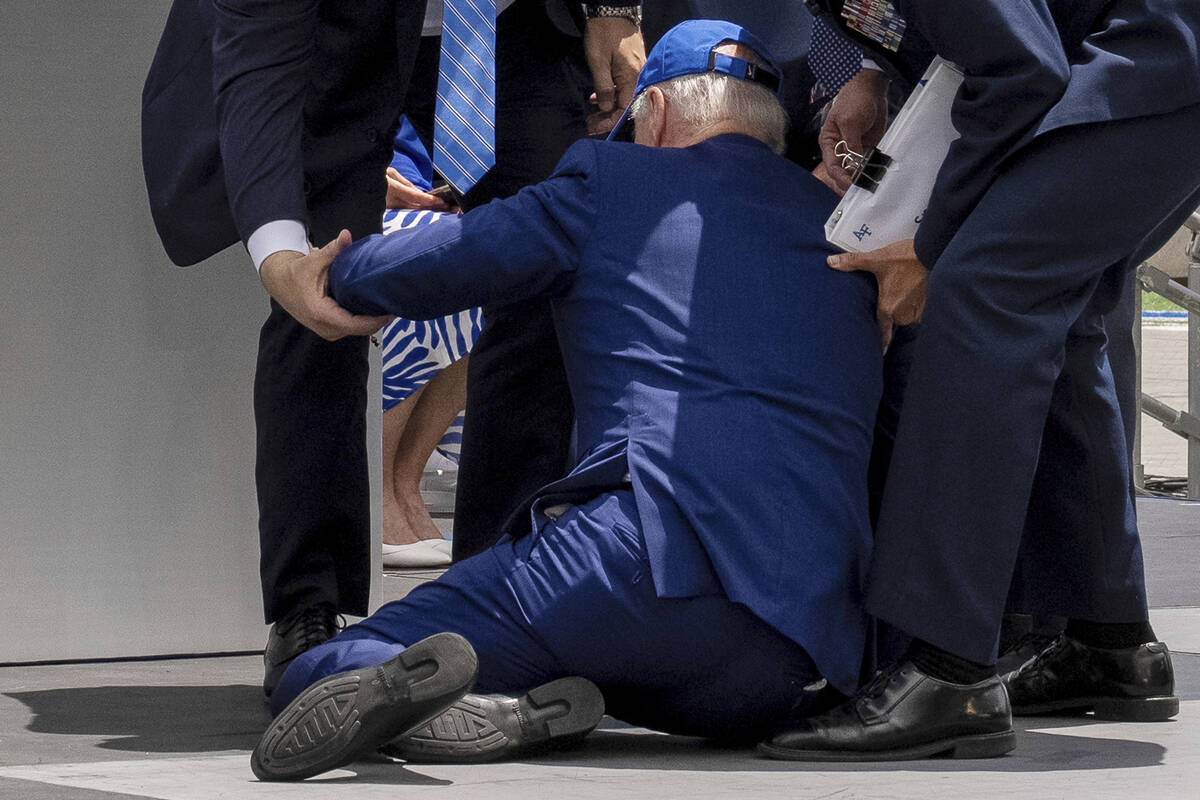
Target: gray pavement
{"x":182,"y":729}
{"x":1164,"y":375}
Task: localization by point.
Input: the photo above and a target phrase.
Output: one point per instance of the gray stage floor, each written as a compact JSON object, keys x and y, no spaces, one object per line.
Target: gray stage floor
{"x":183,"y":729}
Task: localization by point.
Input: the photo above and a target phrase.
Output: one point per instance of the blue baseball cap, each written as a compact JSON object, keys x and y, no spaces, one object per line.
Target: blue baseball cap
{"x":690,"y":49}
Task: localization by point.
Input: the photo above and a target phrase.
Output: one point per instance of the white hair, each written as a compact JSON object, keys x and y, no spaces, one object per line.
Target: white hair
{"x":706,"y":98}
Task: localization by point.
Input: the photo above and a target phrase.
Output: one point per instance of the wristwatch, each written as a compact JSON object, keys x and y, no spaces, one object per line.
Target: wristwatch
{"x":631,"y":12}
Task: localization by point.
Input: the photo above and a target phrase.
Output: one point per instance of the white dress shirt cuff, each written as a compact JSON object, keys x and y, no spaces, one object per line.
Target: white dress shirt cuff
{"x":271,"y":237}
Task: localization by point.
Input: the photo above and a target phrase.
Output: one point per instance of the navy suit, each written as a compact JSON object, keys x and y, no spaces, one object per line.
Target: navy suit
{"x":725,"y":384}
{"x":518,"y":406}
{"x":1078,"y":158}
{"x":257,"y":110}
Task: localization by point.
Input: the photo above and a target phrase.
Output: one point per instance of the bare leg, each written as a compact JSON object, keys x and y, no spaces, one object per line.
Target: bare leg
{"x":408,"y":440}
{"x":395,"y":420}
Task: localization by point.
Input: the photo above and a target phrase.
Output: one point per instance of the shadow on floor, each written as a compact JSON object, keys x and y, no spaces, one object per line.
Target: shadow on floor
{"x":381,"y":770}
{"x":1036,"y":752}
{"x":202,"y":719}
{"x":154,"y":719}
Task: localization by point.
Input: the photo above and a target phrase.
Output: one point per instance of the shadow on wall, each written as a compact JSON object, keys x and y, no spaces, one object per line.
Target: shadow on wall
{"x":153,"y":719}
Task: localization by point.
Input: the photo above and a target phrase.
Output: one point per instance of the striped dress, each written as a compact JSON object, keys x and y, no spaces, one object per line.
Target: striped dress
{"x":414,"y":350}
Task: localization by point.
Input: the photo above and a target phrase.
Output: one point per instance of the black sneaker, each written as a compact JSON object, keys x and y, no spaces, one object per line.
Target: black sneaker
{"x":343,"y":716}
{"x":481,"y":728}
{"x":1068,"y":677}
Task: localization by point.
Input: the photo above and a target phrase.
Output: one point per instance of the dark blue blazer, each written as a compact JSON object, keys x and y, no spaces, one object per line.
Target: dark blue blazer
{"x":1033,"y":66}
{"x":256,"y":110}
{"x":252,"y":107}
{"x":712,"y":357}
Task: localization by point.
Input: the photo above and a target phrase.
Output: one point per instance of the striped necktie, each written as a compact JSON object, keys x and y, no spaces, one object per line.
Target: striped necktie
{"x":464,"y":135}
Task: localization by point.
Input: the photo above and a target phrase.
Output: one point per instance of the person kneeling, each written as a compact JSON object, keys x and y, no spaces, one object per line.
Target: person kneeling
{"x":700,"y":568}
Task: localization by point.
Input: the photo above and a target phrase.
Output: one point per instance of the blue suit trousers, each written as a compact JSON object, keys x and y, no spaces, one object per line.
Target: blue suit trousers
{"x":576,"y":598}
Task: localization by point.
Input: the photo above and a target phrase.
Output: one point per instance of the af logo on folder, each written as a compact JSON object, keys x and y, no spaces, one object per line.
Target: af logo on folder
{"x":892,"y":185}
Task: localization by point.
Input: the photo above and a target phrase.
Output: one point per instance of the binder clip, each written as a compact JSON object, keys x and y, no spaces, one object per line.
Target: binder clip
{"x":852,"y":162}
{"x":865,"y":171}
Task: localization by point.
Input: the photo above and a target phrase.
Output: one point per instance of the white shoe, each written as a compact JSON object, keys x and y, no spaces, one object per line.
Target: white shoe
{"x":438,"y":462}
{"x":425,"y":553}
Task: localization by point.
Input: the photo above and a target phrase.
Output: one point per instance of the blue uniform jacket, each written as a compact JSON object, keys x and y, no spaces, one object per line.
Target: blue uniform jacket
{"x":712,"y":357}
{"x":1033,"y":66}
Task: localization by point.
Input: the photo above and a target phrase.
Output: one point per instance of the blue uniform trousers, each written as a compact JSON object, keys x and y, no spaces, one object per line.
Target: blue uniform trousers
{"x":576,"y":598}
{"x":1011,"y":380}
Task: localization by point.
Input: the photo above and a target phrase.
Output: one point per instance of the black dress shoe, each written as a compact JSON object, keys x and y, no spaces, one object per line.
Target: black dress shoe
{"x":1069,"y":677}
{"x":481,"y":728}
{"x":903,"y":714}
{"x":294,"y":634}
{"x":343,"y":716}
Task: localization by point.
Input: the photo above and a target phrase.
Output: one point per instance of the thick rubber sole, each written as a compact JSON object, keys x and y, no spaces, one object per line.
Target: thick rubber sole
{"x":345,"y":715}
{"x":988,"y":745}
{"x":482,"y":728}
{"x":1119,"y":709}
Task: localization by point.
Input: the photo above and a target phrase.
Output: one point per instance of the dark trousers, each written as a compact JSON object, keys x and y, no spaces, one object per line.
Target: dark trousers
{"x":311,"y":470}
{"x":310,"y":409}
{"x":1012,"y":438}
{"x":576,"y":598}
{"x":310,"y":401}
{"x":1026,"y":592}
{"x":517,"y":427}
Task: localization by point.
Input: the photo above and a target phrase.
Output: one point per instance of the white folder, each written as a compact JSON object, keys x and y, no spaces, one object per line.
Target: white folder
{"x":894,"y":183}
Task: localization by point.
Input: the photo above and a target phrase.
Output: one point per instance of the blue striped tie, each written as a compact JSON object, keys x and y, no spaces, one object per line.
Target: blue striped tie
{"x":464,"y":136}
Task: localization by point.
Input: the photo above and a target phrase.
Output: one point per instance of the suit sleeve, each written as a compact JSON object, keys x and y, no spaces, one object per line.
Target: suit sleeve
{"x":261,"y":50}
{"x":1016,"y":70}
{"x":526,"y":245}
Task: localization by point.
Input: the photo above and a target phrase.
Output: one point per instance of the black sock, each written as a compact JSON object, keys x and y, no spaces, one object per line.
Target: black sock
{"x":1013,"y":629}
{"x":947,"y":666}
{"x":1110,"y":635}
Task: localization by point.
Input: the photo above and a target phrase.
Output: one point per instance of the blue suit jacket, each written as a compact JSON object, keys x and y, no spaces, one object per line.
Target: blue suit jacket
{"x":1033,"y":66}
{"x":712,"y":357}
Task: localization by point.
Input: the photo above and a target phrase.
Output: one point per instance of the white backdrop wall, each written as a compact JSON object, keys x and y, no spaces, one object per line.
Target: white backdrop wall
{"x":127,"y":507}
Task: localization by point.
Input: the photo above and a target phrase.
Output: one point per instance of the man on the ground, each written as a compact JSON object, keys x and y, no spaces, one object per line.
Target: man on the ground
{"x":707,"y":346}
